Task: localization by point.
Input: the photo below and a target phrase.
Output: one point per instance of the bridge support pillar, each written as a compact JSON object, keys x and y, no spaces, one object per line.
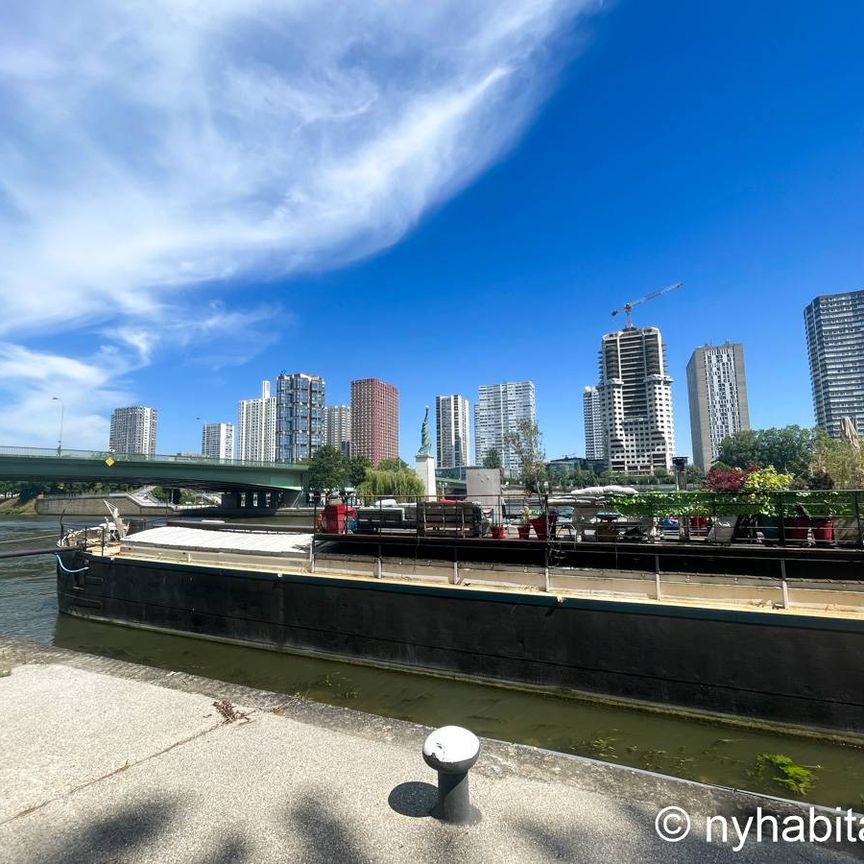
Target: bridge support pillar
{"x":231,"y":500}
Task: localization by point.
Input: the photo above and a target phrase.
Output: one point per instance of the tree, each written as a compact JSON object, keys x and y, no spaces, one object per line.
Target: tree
{"x":393,"y":463}
{"x":357,"y":468}
{"x":328,"y":470}
{"x":789,"y":449}
{"x":526,"y":444}
{"x":739,"y":450}
{"x":560,"y":476}
{"x":395,"y":484}
{"x":492,"y":459}
{"x":695,"y":475}
{"x":836,"y":464}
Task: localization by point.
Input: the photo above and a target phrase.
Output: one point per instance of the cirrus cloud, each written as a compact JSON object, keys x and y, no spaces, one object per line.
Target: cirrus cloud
{"x":149,"y":148}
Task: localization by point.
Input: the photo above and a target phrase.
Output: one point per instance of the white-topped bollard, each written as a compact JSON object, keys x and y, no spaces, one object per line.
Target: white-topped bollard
{"x":452,"y":752}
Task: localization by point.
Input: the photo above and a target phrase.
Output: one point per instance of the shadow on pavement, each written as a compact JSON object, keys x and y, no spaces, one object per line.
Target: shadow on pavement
{"x":325,"y":837}
{"x":413,"y":799}
{"x":113,"y":837}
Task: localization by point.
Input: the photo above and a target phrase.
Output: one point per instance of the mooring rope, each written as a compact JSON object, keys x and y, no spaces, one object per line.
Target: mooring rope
{"x":65,"y":569}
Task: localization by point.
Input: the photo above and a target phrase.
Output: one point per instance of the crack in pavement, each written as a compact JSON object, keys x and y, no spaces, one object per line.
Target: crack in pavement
{"x":126,"y":767}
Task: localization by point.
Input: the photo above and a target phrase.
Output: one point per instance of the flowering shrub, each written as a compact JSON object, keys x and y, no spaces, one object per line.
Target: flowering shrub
{"x":728,"y":479}
{"x":770,"y":502}
{"x":767,"y":480}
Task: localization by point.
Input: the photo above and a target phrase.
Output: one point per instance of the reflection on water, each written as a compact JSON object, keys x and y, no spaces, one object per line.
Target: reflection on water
{"x":706,"y":751}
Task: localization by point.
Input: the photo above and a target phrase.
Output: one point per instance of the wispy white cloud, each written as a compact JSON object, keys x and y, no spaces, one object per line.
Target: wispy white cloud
{"x":148,"y":148}
{"x":88,"y":388}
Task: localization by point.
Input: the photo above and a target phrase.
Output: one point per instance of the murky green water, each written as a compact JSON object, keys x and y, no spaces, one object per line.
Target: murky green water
{"x":711,"y":752}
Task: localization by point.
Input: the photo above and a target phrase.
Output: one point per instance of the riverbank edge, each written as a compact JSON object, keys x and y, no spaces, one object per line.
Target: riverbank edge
{"x":500,"y":758}
{"x":15,"y":507}
{"x":844,"y":738}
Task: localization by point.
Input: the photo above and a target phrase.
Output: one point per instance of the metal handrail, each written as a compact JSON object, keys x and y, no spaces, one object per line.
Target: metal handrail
{"x":101,"y":455}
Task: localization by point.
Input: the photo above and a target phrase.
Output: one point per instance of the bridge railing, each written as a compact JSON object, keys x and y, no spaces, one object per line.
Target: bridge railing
{"x":101,"y":455}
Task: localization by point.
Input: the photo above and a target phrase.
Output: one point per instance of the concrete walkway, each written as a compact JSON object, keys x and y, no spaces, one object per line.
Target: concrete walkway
{"x":103,"y":761}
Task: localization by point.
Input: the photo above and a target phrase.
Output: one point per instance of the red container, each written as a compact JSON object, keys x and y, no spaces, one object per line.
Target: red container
{"x":499,"y":532}
{"x":334,"y":518}
{"x":540,"y":524}
{"x":797,"y":527}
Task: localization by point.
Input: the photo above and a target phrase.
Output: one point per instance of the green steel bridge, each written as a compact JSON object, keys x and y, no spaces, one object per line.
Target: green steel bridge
{"x":87,"y":466}
{"x":193,"y":472}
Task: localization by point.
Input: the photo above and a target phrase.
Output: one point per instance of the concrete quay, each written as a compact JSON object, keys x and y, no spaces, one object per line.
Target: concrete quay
{"x":106,"y":761}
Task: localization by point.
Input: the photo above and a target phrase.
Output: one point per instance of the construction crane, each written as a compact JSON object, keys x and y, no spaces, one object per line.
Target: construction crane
{"x":627,"y":307}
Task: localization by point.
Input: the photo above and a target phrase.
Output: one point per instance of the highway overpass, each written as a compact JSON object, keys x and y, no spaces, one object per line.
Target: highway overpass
{"x":88,"y":466}
{"x":191,"y":472}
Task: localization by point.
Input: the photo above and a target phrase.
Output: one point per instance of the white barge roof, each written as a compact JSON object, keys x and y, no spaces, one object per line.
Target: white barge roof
{"x":261,"y":542}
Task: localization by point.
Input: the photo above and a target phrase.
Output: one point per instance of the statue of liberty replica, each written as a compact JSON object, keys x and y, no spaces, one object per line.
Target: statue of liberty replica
{"x":424,"y":462}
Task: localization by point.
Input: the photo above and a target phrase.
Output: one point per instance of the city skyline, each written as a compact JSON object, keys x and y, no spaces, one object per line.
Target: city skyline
{"x":707,"y":361}
{"x":524,"y":224}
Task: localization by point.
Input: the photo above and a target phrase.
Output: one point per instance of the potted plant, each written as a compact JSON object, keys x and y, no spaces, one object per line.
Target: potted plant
{"x":544,"y":525}
{"x":524,"y":527}
{"x":762,"y":485}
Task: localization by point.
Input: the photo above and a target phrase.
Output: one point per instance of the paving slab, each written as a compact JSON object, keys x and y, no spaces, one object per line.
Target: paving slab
{"x":111,"y":762}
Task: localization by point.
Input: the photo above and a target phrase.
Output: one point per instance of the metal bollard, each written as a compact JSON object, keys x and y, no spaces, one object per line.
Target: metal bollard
{"x":452,"y":752}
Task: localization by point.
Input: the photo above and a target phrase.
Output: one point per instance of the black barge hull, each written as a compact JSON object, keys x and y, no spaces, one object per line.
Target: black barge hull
{"x":788,"y":668}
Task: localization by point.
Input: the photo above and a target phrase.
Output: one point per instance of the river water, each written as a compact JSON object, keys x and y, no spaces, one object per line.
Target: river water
{"x":712,"y":752}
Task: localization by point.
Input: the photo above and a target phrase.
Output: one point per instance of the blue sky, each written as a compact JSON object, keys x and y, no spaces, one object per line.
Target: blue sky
{"x":443,"y":201}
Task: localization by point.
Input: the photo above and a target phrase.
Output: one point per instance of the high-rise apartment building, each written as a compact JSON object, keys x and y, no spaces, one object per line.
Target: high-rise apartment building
{"x":338,"y":428}
{"x":217,"y":441}
{"x":636,"y":402}
{"x":835,"y":344}
{"x":133,"y":430}
{"x":717,"y":392}
{"x":498,"y":412}
{"x":256,"y":427}
{"x":593,"y":424}
{"x":299,"y":416}
{"x":451,"y":431}
{"x":374,"y":420}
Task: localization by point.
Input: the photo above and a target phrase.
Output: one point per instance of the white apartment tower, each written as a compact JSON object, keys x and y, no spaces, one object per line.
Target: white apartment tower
{"x":834,"y":325}
{"x":133,"y":431}
{"x":256,"y":426}
{"x":636,"y":402}
{"x":451,"y":431}
{"x":338,"y":428}
{"x":593,"y":424}
{"x":499,"y":409}
{"x":217,"y":441}
{"x":717,"y":393}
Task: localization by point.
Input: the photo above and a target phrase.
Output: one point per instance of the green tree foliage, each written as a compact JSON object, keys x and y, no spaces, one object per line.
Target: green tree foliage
{"x":789,"y":449}
{"x":390,"y":484}
{"x":526,"y":443}
{"x":392,"y":464}
{"x":836,"y":464}
{"x":492,"y":459}
{"x":695,"y":475}
{"x":357,"y":468}
{"x":328,"y":470}
{"x":767,"y":480}
{"x":26,"y":490}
